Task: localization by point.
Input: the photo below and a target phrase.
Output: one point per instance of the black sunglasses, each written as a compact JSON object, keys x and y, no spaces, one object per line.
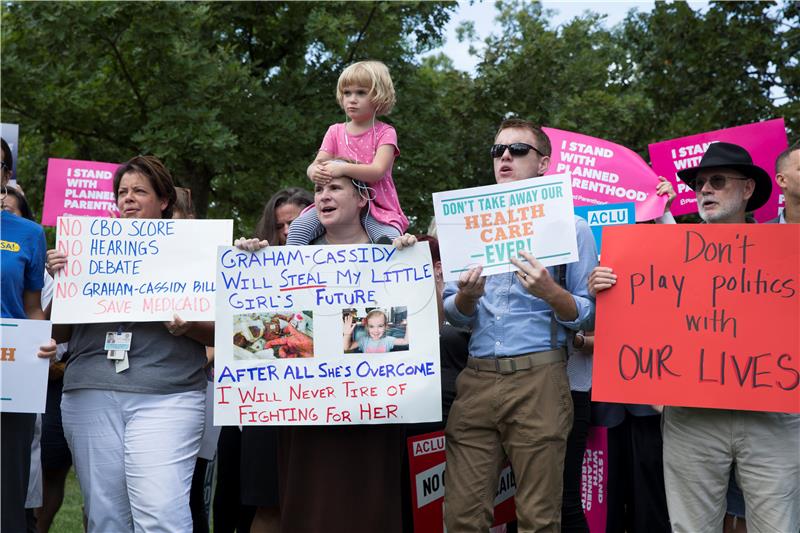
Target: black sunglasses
{"x":4,"y":165}
{"x":516,"y":150}
{"x":717,"y":182}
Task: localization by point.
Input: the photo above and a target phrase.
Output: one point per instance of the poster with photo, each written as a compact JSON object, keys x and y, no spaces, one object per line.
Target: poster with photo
{"x":326,"y":335}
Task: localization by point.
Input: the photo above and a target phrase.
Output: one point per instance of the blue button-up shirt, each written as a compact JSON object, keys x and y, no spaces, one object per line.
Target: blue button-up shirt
{"x":509,"y":321}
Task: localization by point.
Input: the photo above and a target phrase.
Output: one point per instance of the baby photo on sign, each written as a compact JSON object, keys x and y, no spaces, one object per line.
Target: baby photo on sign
{"x":273,"y":335}
{"x":375,"y":330}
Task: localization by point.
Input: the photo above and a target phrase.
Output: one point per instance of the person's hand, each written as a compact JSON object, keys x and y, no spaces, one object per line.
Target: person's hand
{"x":55,"y":261}
{"x":293,"y":344}
{"x":348,"y":326}
{"x":48,"y":351}
{"x":178,"y":326}
{"x":665,"y":187}
{"x":250,"y":245}
{"x":471,"y":283}
{"x":404,"y":241}
{"x":600,"y":279}
{"x":113,"y":212}
{"x":320,"y":173}
{"x":534,"y":276}
{"x":334,"y":169}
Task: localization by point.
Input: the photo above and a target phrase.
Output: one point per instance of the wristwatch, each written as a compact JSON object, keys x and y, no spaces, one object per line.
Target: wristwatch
{"x":579,"y":340}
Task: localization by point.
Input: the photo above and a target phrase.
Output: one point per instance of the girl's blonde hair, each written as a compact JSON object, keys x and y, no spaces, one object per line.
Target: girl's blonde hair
{"x":372,"y":74}
{"x":376,"y":312}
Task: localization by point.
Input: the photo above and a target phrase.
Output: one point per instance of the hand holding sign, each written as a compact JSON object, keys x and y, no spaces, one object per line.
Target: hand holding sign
{"x":534,"y":277}
{"x":48,"y":351}
{"x":250,"y":245}
{"x":665,"y":187}
{"x":600,"y":279}
{"x":55,"y":261}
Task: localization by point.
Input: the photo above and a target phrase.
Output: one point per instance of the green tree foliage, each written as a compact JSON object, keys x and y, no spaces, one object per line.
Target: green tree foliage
{"x":234,"y":97}
{"x":237,"y":96}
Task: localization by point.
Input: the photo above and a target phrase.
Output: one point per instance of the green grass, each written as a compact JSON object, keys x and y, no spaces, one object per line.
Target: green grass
{"x":69,"y":518}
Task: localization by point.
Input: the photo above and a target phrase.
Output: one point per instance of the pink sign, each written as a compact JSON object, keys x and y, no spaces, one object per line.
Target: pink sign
{"x":605,"y":173}
{"x":81,"y":188}
{"x":594,"y":479}
{"x":764,"y":141}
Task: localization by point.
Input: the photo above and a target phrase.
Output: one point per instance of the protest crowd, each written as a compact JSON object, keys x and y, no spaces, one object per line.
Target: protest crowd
{"x":128,"y":402}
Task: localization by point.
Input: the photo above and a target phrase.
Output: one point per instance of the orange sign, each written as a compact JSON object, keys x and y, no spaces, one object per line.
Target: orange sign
{"x":701,"y":316}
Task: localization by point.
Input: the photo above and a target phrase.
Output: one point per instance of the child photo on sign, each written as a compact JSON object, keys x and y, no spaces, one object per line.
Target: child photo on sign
{"x":376,"y":332}
{"x":273,"y":335}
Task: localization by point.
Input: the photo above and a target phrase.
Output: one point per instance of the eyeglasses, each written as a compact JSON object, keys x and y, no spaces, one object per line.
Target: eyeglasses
{"x":516,"y":150}
{"x":717,"y":182}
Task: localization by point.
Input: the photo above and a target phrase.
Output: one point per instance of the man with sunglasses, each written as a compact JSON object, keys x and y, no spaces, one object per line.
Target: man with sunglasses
{"x":702,"y":446}
{"x":513,"y":399}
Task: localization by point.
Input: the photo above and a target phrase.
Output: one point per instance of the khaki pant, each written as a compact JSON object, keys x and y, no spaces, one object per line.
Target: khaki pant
{"x":700,"y":448}
{"x":526,"y":416}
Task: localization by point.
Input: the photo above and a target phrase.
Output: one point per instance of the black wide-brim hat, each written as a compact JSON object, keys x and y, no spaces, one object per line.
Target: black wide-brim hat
{"x":720,"y":154}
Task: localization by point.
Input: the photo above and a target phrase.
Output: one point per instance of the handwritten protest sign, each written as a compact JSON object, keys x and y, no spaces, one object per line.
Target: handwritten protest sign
{"x":707,"y":318}
{"x":10,"y":134}
{"x":426,"y":464}
{"x":763,"y":140}
{"x":137,"y":270}
{"x":326,"y":335}
{"x":23,"y":375}
{"x":594,"y":479}
{"x":489,"y":225}
{"x":605,"y":173}
{"x":599,"y":216}
{"x":81,"y":188}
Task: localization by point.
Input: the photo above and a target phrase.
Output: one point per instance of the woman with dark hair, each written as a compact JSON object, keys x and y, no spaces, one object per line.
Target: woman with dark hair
{"x":284,"y":206}
{"x":135,"y":434}
{"x":22,"y":272}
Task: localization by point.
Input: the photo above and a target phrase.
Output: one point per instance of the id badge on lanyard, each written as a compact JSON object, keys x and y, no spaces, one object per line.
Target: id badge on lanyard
{"x":118,"y":344}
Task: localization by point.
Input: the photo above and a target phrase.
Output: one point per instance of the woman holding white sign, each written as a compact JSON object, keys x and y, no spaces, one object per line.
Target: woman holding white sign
{"x":340,"y":478}
{"x":134,"y":425}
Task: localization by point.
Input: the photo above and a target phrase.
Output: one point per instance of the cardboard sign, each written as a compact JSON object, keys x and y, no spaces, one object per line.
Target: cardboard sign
{"x":605,"y":173}
{"x":763,"y":140}
{"x":489,"y":225}
{"x":707,"y":317}
{"x":80,"y":188}
{"x":10,"y":134}
{"x":23,"y":375}
{"x":137,"y":270}
{"x":426,"y":462}
{"x":599,"y":216}
{"x":326,"y":335}
{"x":594,"y":479}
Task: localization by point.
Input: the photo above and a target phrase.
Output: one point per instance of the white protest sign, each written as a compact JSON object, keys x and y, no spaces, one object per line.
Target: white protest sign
{"x":23,"y":375}
{"x":326,"y":335}
{"x":137,"y":270}
{"x":489,"y":225}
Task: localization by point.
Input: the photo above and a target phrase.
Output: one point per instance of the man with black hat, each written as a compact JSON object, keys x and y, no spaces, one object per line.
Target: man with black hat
{"x":701,"y":446}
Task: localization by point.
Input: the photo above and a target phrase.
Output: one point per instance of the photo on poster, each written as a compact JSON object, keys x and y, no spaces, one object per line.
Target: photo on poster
{"x":375,"y":330}
{"x":273,"y":335}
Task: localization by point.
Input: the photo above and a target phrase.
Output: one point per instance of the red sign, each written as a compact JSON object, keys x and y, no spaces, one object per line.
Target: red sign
{"x":701,"y":316}
{"x":426,"y":464}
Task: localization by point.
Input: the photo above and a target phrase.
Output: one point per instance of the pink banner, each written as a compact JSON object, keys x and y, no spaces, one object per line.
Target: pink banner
{"x":764,"y":141}
{"x":594,"y":479}
{"x":81,"y":188}
{"x":605,"y":173}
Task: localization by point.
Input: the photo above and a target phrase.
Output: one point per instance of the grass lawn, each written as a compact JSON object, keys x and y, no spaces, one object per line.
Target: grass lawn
{"x":70,"y":517}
